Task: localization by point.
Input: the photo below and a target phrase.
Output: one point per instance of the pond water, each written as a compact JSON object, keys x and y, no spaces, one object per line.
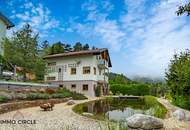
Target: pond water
{"x":116,"y":109}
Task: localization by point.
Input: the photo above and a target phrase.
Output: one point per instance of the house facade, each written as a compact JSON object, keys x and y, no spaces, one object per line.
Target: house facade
{"x":5,"y":24}
{"x":82,"y":71}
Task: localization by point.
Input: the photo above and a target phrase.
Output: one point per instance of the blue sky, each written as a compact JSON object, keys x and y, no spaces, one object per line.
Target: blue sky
{"x":141,"y":35}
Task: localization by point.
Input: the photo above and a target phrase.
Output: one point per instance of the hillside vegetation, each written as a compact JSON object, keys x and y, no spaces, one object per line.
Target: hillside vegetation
{"x":120,"y":84}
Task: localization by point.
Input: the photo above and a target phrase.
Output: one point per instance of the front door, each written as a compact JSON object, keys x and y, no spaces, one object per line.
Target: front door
{"x":60,"y":73}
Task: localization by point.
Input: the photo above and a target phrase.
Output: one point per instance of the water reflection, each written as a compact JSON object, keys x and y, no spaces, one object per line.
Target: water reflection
{"x":115,"y":109}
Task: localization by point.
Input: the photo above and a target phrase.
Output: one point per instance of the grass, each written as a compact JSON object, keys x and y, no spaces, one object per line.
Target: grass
{"x":160,"y":110}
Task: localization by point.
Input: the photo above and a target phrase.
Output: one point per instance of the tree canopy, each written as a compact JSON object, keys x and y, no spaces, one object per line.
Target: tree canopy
{"x":59,"y":47}
{"x":22,"y":50}
{"x":178,"y":78}
{"x":184,"y":9}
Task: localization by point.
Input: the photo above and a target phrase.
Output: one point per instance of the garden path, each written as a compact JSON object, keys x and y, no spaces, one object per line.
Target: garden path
{"x":171,"y":123}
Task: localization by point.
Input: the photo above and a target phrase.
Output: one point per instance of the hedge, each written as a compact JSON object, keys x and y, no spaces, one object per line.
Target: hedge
{"x":130,"y":89}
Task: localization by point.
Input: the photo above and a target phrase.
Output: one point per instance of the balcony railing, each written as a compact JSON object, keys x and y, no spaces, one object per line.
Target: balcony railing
{"x":102,"y":64}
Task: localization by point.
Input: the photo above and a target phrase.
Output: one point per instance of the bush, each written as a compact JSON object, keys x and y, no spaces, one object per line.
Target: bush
{"x":50,"y":91}
{"x":3,"y":99}
{"x":78,"y":96}
{"x":64,"y":92}
{"x":34,"y":96}
{"x":98,"y":91}
{"x":182,"y":101}
{"x":58,"y":95}
{"x":8,"y":95}
{"x":21,"y":96}
{"x":74,"y":95}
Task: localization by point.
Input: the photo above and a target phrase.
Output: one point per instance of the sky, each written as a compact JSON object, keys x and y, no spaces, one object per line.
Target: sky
{"x":141,"y":35}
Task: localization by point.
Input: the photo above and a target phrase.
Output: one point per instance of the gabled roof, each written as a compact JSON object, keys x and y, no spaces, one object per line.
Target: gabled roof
{"x":83,"y":52}
{"x":8,"y":23}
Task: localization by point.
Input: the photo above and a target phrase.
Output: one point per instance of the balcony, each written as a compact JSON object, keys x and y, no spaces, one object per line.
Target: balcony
{"x":102,"y":64}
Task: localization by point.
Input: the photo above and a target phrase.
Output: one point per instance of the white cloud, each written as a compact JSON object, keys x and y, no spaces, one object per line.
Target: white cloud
{"x":110,"y":34}
{"x":148,"y":35}
{"x":38,"y":16}
{"x":97,"y":24}
{"x":163,"y":33}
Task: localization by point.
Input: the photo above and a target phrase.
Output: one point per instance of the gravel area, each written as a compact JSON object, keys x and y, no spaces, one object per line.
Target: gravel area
{"x":171,"y":123}
{"x":61,"y":118}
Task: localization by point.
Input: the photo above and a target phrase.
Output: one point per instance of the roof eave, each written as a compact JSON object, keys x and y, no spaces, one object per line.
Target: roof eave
{"x":8,"y":23}
{"x":10,"y":26}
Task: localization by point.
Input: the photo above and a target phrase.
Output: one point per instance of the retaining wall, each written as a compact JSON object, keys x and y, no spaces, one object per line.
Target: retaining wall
{"x":7,"y":107}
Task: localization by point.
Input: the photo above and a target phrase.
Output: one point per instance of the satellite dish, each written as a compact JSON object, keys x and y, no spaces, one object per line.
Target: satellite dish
{"x":78,"y":62}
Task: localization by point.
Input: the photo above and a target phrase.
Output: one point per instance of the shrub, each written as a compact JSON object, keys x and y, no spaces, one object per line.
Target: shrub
{"x":74,"y":95}
{"x":8,"y":95}
{"x":182,"y":101}
{"x":98,"y":91}
{"x":34,"y":96}
{"x":57,"y":95}
{"x":78,"y":96}
{"x":50,"y":91}
{"x":21,"y":96}
{"x":64,"y":92}
{"x":3,"y":99}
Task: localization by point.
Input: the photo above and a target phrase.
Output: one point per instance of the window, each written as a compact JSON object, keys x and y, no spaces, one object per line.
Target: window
{"x":50,"y":78}
{"x":94,"y":70}
{"x":73,"y":86}
{"x":73,"y":71}
{"x":51,"y":63}
{"x":86,"y":70}
{"x":59,"y":70}
{"x":65,"y":68}
{"x":85,"y":87}
{"x":61,"y":85}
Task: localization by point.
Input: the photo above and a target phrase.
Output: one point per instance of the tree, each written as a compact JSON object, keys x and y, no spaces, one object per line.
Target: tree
{"x":78,"y":46}
{"x":68,"y":48}
{"x":57,"y":48}
{"x":46,"y":48}
{"x":93,"y":47}
{"x":86,"y":47}
{"x":178,"y":79}
{"x":39,"y":69}
{"x":21,"y":49}
{"x":184,"y":9}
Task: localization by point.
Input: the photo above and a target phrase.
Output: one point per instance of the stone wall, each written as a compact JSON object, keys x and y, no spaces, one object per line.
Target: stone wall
{"x":7,"y":107}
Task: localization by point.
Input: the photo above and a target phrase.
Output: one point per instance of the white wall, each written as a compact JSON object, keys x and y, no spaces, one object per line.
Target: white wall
{"x":89,"y":60}
{"x":2,"y":34}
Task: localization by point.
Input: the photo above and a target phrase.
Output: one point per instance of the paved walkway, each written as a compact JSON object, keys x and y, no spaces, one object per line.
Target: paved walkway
{"x":170,"y":123}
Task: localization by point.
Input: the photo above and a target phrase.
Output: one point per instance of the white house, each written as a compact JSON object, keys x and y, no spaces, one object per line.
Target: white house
{"x":5,"y":24}
{"x":81,"y":71}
